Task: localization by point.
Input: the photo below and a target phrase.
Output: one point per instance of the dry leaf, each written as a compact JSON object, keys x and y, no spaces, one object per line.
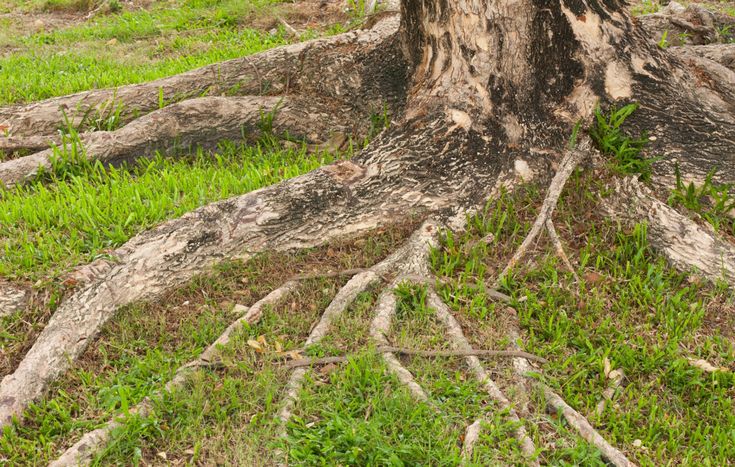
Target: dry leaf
{"x":162,"y":455}
{"x":705,"y":365}
{"x":239,"y":309}
{"x":255,"y":344}
{"x":607,"y":366}
{"x":294,"y":355}
{"x":261,"y":339}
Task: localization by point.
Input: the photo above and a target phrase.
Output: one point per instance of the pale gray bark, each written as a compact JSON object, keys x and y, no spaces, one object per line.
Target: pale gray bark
{"x":688,"y":245}
{"x":200,"y":122}
{"x":344,"y":67}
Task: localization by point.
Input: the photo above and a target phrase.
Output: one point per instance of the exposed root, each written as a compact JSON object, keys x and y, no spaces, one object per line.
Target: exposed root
{"x":322,"y":68}
{"x":460,"y":341}
{"x":686,"y":244}
{"x":571,"y":159}
{"x":201,"y":122}
{"x":12,"y":144}
{"x":82,"y":452}
{"x":385,"y":310}
{"x":585,"y":430}
{"x":522,"y":368}
{"x":691,"y":25}
{"x":339,"y":304}
{"x":724,"y":54}
{"x":410,"y":261}
{"x":471,"y":435}
{"x":556,"y":242}
{"x":301,"y":212}
{"x":12,"y":298}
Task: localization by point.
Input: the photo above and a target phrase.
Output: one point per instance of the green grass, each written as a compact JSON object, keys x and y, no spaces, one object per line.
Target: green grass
{"x":626,"y":152}
{"x":714,"y":202}
{"x":630,"y":308}
{"x":130,"y":47}
{"x":45,"y":228}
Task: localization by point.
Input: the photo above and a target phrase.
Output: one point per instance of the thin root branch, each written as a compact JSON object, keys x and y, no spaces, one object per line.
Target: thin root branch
{"x":572,"y":158}
{"x":82,"y":451}
{"x":460,"y":341}
{"x":556,"y":241}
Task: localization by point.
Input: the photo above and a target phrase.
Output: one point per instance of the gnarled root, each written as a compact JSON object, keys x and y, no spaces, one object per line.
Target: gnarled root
{"x":336,"y":67}
{"x":201,"y":122}
{"x":686,"y":244}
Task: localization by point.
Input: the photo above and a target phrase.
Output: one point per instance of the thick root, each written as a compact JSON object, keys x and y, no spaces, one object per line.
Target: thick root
{"x":82,"y":452}
{"x":691,"y":25}
{"x":342,"y":67}
{"x":201,"y":122}
{"x":335,"y":201}
{"x":686,"y":244}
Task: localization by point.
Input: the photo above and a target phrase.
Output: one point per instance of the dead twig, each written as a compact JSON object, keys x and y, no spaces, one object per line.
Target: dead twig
{"x":302,"y":362}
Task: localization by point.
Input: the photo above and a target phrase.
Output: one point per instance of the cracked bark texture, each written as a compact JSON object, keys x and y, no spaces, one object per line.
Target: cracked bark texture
{"x":357,"y":68}
{"x":491,"y":92}
{"x":202,"y":122}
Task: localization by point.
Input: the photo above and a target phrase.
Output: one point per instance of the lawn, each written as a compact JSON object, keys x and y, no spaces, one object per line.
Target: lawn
{"x":621,"y":310}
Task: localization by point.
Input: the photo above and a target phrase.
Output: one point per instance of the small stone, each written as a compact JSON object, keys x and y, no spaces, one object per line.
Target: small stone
{"x":239,"y":310}
{"x":637,"y":443}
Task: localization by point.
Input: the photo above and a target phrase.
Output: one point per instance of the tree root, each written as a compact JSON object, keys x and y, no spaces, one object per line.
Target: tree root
{"x":571,"y":159}
{"x":339,"y":304}
{"x":686,"y":244}
{"x":12,"y":298}
{"x":460,"y":341}
{"x":11,"y":144}
{"x":327,"y":68}
{"x":201,"y":122}
{"x":556,"y":242}
{"x":334,"y":201}
{"x":691,"y":25}
{"x":585,"y":429}
{"x":522,"y":368}
{"x":82,"y":452}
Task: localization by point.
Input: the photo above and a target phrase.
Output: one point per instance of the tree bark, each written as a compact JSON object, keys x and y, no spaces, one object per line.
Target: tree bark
{"x":492,"y":90}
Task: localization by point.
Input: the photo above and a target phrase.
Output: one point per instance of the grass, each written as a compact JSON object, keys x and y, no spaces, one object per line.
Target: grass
{"x":626,"y":152}
{"x":45,"y":228}
{"x":130,"y":47}
{"x":630,"y":308}
{"x":713,"y":202}
{"x":220,"y":411}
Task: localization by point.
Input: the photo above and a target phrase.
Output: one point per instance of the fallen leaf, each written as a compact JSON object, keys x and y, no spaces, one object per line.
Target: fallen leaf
{"x":593,"y":277}
{"x":255,"y":344}
{"x":279,"y":347}
{"x":162,"y":455}
{"x":705,"y":365}
{"x":607,"y":366}
{"x":239,"y":310}
{"x":261,"y":339}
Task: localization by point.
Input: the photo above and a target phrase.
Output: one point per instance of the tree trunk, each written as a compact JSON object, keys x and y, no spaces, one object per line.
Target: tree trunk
{"x":494,"y":89}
